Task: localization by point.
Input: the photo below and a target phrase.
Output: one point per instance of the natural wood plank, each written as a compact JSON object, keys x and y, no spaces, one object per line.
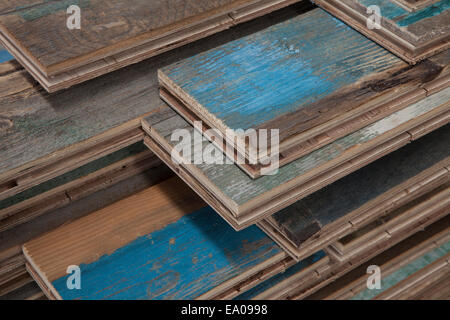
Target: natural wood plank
{"x":394,"y":260}
{"x":363,"y":196}
{"x":307,"y":286}
{"x":411,"y":34}
{"x":183,"y":236}
{"x":243,"y":201}
{"x":311,"y":99}
{"x":36,"y":33}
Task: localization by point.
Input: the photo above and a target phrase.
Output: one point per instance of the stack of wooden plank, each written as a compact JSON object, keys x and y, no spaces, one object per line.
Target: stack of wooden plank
{"x":363,"y":151}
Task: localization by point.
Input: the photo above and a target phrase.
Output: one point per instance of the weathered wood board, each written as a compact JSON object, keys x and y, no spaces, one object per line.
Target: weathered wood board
{"x":413,"y":30}
{"x":112,"y":34}
{"x":80,"y":201}
{"x":243,"y":201}
{"x":43,"y":136}
{"x":393,"y":260}
{"x":167,"y":244}
{"x":407,"y":217}
{"x":363,"y":196}
{"x":404,"y":271}
{"x":275,"y":80}
{"x":307,"y":284}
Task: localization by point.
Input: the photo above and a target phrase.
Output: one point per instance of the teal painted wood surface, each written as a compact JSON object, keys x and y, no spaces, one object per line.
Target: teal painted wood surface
{"x":266,"y":285}
{"x":5,"y":56}
{"x":403,"y":17}
{"x":74,"y":174}
{"x":182,"y":261}
{"x":239,"y":188}
{"x":280,"y":70}
{"x":352,"y":192}
{"x":401,"y":274}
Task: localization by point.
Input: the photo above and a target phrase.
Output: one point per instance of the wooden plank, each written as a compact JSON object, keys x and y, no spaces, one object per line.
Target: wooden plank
{"x":42,"y":134}
{"x":180,"y":241}
{"x":411,"y":34}
{"x":243,"y":201}
{"x":409,"y":215}
{"x":409,"y":286}
{"x":362,"y":197}
{"x":311,"y":99}
{"x":11,"y":241}
{"x":58,"y":57}
{"x":355,"y":282}
{"x":307,"y":286}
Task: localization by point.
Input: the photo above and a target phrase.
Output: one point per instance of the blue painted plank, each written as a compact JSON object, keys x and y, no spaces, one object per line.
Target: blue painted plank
{"x":403,"y":17}
{"x":5,"y":56}
{"x":181,"y":261}
{"x":279,"y":70}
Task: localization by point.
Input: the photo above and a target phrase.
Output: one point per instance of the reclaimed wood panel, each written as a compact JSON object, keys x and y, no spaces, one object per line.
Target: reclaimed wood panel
{"x":167,"y":244}
{"x":274,"y":79}
{"x":112,"y":34}
{"x":411,"y":32}
{"x":39,"y":130}
{"x":401,"y":274}
{"x":242,"y":200}
{"x":306,"y":286}
{"x":361,"y":197}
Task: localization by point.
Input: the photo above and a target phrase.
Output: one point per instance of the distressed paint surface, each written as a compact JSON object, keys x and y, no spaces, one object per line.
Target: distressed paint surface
{"x":5,"y":56}
{"x":265,"y":285}
{"x":39,"y":26}
{"x":74,"y":174}
{"x":401,"y":274}
{"x":403,"y":17}
{"x":240,"y":188}
{"x":182,"y":261}
{"x":43,"y":124}
{"x":260,"y":77}
{"x":355,"y":190}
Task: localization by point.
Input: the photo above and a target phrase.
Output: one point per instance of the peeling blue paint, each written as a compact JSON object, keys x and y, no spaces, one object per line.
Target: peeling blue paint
{"x":5,"y":56}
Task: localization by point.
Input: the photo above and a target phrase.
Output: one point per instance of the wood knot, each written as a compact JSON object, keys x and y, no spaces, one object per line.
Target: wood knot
{"x":5,"y":124}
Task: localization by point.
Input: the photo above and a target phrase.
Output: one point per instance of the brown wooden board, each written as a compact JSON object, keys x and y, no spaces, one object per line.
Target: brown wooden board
{"x":409,"y":31}
{"x":112,"y":34}
{"x":306,"y":286}
{"x":363,"y":196}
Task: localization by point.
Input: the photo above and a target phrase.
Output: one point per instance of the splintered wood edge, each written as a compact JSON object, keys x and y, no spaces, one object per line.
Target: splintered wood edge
{"x":140,"y":51}
{"x":386,"y":38}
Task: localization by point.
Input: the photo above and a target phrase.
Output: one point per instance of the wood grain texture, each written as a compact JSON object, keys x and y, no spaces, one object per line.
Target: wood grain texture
{"x":333,"y":271}
{"x":274,"y":79}
{"x":113,"y":34}
{"x":390,"y":280}
{"x":411,"y":34}
{"x":363,"y":196}
{"x":38,"y":130}
{"x":165,"y":239}
{"x":238,"y":194}
{"x":392,"y":260}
